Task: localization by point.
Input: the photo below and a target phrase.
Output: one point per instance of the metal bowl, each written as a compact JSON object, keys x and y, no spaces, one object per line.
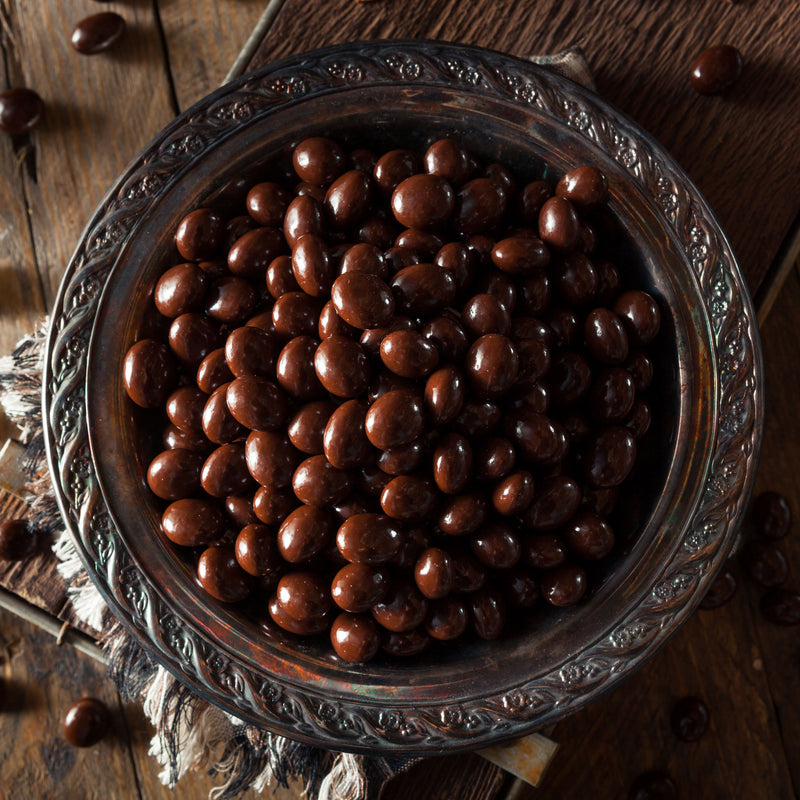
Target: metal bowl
{"x":682,"y":509}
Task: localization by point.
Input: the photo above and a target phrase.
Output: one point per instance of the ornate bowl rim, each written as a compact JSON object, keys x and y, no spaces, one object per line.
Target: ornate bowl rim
{"x":344,"y":711}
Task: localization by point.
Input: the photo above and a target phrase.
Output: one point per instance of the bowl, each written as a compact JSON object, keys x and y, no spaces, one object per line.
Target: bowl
{"x":682,"y":509}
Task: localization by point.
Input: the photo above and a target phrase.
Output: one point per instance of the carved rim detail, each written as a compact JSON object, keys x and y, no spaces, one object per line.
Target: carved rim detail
{"x":353,"y":724}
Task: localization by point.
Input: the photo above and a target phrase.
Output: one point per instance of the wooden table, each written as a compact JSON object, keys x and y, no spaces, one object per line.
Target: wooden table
{"x":741,"y":150}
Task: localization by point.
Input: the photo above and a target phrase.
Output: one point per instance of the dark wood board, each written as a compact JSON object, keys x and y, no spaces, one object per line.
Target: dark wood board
{"x":740,"y":149}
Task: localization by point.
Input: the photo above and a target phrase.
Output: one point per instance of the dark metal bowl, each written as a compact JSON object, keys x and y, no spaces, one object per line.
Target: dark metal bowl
{"x":691,"y":484}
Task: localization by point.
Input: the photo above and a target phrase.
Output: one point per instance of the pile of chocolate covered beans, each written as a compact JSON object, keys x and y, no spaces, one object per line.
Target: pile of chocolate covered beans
{"x":398,"y":395}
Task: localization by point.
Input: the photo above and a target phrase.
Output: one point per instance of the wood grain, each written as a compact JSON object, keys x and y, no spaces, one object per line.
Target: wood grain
{"x":737,"y":148}
{"x":461,"y":777}
{"x":199,"y":63}
{"x":100,"y":111}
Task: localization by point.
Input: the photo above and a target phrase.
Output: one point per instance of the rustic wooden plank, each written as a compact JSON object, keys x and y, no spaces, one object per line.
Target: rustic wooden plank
{"x":203,"y":39}
{"x":466,"y":777}
{"x":778,"y":472}
{"x":35,"y":759}
{"x":21,"y":301}
{"x":714,"y":656}
{"x":101,"y":110}
{"x":740,"y":149}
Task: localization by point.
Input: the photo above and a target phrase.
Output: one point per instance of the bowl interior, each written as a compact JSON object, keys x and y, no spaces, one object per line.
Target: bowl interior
{"x":657,"y":502}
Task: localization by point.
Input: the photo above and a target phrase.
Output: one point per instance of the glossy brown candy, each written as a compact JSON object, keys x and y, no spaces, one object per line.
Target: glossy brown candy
{"x":309,"y":627}
{"x":488,"y":612}
{"x":370,"y":539}
{"x":447,"y":618}
{"x":423,"y":201}
{"x":555,"y":502}
{"x":371,"y":338}
{"x":345,"y":440}
{"x":521,"y":590}
{"x":97,"y":33}
{"x":589,"y":536}
{"x":449,"y":159}
{"x":569,"y":378}
{"x":716,"y":69}
{"x":405,"y":644}
{"x":342,"y":366}
{"x":316,"y":482}
{"x":445,"y":391}
{"x":257,"y":403}
{"x":280,"y":277}
{"x":175,"y":474}
{"x":492,"y":365}
{"x":479,"y":206}
{"x":357,"y":587}
{"x":452,"y":463}
{"x":534,"y":435}
{"x":296,"y":370}
{"x":423,"y":289}
{"x":199,"y":235}
{"x":564,"y":585}
{"x":173,"y":437}
{"x":612,"y":395}
{"x":584,"y":186}
{"x":303,"y":216}
{"x":606,"y":337}
{"x":448,"y":336}
{"x":193,"y":521}
{"x":304,"y":595}
{"x":331,"y":324}
{"x":362,"y":299}
{"x":433,"y":573}
{"x":772,"y":515}
{"x":485,"y":313}
{"x":355,"y":637}
{"x":225,"y":471}
{"x":403,"y":608}
{"x":609,"y":457}
{"x":348,"y":199}
{"x":221,"y":576}
{"x":21,"y":110}
{"x":18,"y":540}
{"x":405,"y":459}
{"x":180,"y":289}
{"x":558,"y":224}
{"x":520,"y":255}
{"x":318,"y":160}
{"x":458,"y":260}
{"x":393,"y":167}
{"x":267,"y":203}
{"x":477,"y":418}
{"x":271,"y":458}
{"x":394,"y":419}
{"x":544,"y":550}
{"x":254,"y":251}
{"x":640,"y":315}
{"x":494,"y":458}
{"x":312,"y":265}
{"x":272,"y":505}
{"x":256,"y":550}
{"x":689,"y":719}
{"x":219,"y":425}
{"x":364,"y":257}
{"x":408,"y":498}
{"x":304,"y":533}
{"x":251,"y":351}
{"x":408,"y":354}
{"x":496,"y":545}
{"x":514,"y":493}
{"x":86,"y":722}
{"x":765,"y":563}
{"x":230,"y":299}
{"x":148,"y":373}
{"x":239,"y":508}
{"x":192,"y":337}
{"x":463,"y":514}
